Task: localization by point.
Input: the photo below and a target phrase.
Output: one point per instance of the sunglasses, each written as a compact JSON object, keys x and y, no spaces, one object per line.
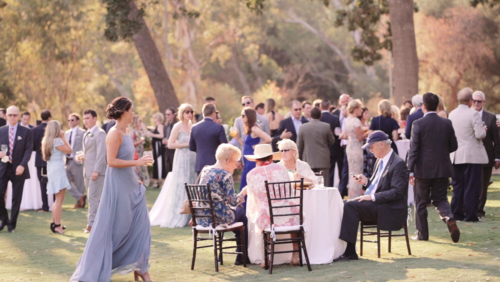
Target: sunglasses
{"x":246,"y":103}
{"x":189,"y":112}
{"x":12,"y":115}
{"x":477,"y":101}
{"x":285,"y":150}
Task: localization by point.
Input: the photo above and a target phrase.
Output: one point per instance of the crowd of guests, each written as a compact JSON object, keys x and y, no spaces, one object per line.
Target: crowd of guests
{"x":311,"y":139}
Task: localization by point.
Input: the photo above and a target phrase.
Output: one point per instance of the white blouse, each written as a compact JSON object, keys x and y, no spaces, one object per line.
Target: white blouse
{"x":303,"y":170}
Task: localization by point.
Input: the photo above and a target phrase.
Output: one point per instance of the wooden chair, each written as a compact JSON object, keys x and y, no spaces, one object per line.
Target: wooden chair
{"x":276,"y":192}
{"x":200,"y":202}
{"x":374,"y":225}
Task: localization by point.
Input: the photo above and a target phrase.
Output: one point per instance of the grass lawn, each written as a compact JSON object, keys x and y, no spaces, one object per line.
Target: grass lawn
{"x":34,"y":253}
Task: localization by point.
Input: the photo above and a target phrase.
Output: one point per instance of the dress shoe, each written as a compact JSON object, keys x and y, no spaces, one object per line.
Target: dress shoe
{"x":453,"y":228}
{"x":2,"y":224}
{"x":10,"y":228}
{"x":77,"y":205}
{"x":416,"y":238}
{"x":84,"y":201}
{"x":346,"y":258}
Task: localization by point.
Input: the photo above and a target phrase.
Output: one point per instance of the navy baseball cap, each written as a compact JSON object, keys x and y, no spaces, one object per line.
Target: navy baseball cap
{"x":376,"y":136}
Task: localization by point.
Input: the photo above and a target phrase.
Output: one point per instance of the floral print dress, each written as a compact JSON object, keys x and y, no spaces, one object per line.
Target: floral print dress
{"x":223,"y":196}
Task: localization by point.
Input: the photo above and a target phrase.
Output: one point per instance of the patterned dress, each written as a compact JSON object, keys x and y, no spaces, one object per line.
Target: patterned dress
{"x":142,"y":171}
{"x":355,"y":157}
{"x":223,"y":195}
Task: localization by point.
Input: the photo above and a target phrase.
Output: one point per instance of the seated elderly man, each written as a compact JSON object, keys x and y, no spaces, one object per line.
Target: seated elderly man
{"x":385,"y":198}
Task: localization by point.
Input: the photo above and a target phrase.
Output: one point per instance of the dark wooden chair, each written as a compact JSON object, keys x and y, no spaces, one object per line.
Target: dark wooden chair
{"x":200,"y":202}
{"x":380,"y":233}
{"x":276,"y":193}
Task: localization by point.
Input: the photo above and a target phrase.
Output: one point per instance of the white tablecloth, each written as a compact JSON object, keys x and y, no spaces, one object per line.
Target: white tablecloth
{"x":403,"y":147}
{"x":32,"y":195}
{"x":323,"y":210}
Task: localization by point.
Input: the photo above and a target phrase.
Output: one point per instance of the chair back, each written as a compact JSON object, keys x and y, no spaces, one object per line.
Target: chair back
{"x":282,"y":195}
{"x":200,"y":199}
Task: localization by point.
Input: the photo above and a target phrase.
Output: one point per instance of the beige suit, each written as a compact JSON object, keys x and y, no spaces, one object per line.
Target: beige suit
{"x":469,"y":131}
{"x":312,"y":142}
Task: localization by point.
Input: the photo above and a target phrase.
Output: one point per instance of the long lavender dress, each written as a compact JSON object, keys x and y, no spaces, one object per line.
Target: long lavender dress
{"x":120,"y":241}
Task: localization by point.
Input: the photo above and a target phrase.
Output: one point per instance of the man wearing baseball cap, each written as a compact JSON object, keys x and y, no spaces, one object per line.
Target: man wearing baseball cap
{"x":385,"y":199}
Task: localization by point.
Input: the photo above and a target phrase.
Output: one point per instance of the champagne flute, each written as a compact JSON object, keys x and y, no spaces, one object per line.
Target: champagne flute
{"x":149,"y":154}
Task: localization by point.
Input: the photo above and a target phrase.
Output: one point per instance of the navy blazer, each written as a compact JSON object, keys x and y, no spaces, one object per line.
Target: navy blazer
{"x":2,"y":122}
{"x":288,"y":125}
{"x":38,"y":133}
{"x":409,"y":121}
{"x":206,"y":136}
{"x":333,"y":121}
{"x":21,"y":154}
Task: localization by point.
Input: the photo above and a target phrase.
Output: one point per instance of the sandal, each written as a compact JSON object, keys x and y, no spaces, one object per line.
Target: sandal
{"x":55,"y":226}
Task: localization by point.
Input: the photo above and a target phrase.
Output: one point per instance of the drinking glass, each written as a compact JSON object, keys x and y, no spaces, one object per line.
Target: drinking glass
{"x":5,"y":148}
{"x":321,"y":183}
{"x":79,"y":156}
{"x":338,"y":131}
{"x":150,"y":154}
{"x":233,"y":132}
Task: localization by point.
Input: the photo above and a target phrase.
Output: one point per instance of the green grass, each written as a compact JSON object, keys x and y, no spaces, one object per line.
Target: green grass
{"x":34,"y":253}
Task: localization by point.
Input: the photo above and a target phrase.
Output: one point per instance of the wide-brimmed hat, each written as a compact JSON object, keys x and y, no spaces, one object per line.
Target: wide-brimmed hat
{"x":262,"y":151}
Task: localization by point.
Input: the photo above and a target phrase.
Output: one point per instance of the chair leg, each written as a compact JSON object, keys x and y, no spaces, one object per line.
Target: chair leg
{"x":407,"y":240}
{"x":243,"y":246}
{"x":305,"y":252}
{"x":221,"y":238}
{"x":266,"y":264}
{"x":390,"y":235}
{"x":215,"y":253}
{"x":195,"y":244}
{"x":271,"y":261}
{"x":300,"y":245}
{"x":378,"y":240}
{"x":361,"y":239}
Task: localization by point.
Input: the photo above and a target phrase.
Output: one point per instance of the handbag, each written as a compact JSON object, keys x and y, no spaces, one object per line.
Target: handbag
{"x":186,"y":208}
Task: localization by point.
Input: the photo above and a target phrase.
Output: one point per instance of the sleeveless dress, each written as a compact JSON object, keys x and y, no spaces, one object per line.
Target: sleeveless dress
{"x":120,"y":241}
{"x":165,"y":211}
{"x":355,"y":157}
{"x":248,"y":150}
{"x":56,"y":171}
{"x":158,"y":166}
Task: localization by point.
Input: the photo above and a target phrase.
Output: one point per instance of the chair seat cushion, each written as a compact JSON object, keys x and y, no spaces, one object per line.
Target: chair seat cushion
{"x":283,"y":228}
{"x":220,"y":227}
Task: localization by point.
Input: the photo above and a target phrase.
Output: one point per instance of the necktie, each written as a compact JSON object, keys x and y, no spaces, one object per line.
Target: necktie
{"x":11,"y":142}
{"x":70,"y":135}
{"x":376,"y":179}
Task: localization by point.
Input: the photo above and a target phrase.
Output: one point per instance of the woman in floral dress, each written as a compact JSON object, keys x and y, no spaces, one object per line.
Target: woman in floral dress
{"x":136,"y":133}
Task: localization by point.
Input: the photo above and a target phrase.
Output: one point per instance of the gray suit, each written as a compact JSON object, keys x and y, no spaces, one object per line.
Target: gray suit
{"x":94,"y":148}
{"x":74,"y":169}
{"x":312,"y":142}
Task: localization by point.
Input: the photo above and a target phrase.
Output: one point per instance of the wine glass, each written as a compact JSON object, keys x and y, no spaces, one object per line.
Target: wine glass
{"x":149,"y":154}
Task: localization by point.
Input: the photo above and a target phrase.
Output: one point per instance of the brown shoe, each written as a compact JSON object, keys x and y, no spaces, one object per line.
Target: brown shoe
{"x":453,"y":228}
{"x":87,"y":230}
{"x":77,"y":205}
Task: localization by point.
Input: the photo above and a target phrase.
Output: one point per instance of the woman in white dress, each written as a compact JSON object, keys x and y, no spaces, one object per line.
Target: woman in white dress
{"x":165,"y":211}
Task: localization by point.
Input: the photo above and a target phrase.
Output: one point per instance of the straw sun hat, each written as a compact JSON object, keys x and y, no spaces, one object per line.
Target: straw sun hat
{"x":262,"y":151}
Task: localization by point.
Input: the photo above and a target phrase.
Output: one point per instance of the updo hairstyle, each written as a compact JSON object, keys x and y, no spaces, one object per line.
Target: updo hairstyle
{"x":119,"y":106}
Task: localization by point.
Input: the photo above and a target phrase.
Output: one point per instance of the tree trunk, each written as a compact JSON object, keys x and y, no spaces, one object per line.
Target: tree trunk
{"x":152,"y":62}
{"x":404,"y":50}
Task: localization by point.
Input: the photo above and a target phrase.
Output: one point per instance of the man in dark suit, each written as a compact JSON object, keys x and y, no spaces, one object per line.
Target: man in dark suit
{"x":306,"y":110}
{"x":40,"y":164}
{"x":14,"y":165}
{"x":432,"y":141}
{"x":289,"y":127}
{"x":107,"y":126}
{"x":168,"y":154}
{"x":417,"y":103}
{"x":25,"y":120}
{"x":336,"y":151}
{"x":206,"y":136}
{"x":491,"y":144}
{"x":385,"y":198}
{"x":2,"y":117}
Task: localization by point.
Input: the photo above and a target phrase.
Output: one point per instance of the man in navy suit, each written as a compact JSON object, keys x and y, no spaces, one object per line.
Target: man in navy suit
{"x":206,"y":136}
{"x":417,"y":103}
{"x":2,"y":117}
{"x":25,"y":120}
{"x":14,"y":165}
{"x":336,"y":152}
{"x":289,"y":127}
{"x":40,"y":164}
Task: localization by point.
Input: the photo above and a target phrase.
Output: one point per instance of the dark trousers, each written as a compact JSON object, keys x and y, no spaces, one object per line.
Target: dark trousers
{"x":486,"y":176}
{"x":466,"y":191}
{"x":344,"y":178}
{"x":354,"y":212}
{"x":17,"y":196}
{"x":337,"y":160}
{"x":434,"y":189}
{"x":240,"y":216}
{"x":168,"y":156}
{"x":43,"y":188}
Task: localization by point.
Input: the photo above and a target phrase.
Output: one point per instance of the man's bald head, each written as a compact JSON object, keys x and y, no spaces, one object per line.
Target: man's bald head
{"x":13,"y":115}
{"x":344,"y":99}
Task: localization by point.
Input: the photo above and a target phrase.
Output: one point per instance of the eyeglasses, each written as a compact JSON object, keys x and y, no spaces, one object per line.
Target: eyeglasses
{"x":189,"y":112}
{"x":246,"y":103}
{"x":477,"y":101}
{"x":71,"y":120}
{"x":297,"y":109}
{"x":285,"y":150}
{"x":12,"y":115}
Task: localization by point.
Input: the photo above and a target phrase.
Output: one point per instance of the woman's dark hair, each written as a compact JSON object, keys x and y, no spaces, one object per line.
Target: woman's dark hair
{"x":251,"y":119}
{"x":118,"y":107}
{"x":362,"y":113}
{"x":265,"y":159}
{"x":405,"y":113}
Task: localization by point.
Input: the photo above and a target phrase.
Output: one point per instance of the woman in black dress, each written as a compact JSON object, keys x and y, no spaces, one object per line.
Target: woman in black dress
{"x":386,"y":123}
{"x":157,"y":147}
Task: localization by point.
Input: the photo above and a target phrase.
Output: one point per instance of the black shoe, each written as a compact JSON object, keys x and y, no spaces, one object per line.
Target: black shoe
{"x":10,"y":228}
{"x":454,"y":231}
{"x":346,"y":258}
{"x":239,"y":260}
{"x":2,"y":224}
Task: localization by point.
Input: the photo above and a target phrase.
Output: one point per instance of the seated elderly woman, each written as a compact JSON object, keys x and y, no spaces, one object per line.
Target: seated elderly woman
{"x":220,"y":178}
{"x":258,"y":206}
{"x":291,"y":161}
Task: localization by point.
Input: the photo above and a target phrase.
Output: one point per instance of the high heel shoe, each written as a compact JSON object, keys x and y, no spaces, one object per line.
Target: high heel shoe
{"x":52,"y":227}
{"x":55,"y":226}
